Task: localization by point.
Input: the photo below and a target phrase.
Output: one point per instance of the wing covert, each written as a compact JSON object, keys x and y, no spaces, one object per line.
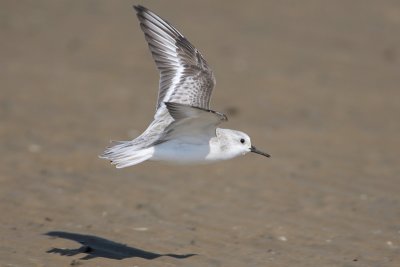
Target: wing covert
{"x":185,"y":76}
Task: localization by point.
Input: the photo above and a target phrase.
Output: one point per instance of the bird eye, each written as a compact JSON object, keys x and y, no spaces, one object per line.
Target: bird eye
{"x":242,"y":141}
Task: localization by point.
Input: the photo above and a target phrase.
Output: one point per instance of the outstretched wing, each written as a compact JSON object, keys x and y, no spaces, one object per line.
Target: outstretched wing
{"x":191,"y":123}
{"x":185,"y":76}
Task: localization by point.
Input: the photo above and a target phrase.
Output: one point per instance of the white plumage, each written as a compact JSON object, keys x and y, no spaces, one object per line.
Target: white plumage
{"x":184,"y":129}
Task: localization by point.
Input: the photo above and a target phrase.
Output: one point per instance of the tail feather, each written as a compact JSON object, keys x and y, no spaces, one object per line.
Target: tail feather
{"x":123,"y":154}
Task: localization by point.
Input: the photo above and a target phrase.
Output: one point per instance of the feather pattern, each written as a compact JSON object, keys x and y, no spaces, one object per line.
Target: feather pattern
{"x":185,"y":76}
{"x":184,"y":128}
{"x":190,"y":122}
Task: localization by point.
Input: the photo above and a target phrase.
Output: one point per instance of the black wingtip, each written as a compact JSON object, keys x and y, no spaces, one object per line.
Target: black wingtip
{"x":139,"y":8}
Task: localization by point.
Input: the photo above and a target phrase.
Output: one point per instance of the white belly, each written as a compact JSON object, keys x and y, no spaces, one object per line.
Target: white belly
{"x":185,"y":153}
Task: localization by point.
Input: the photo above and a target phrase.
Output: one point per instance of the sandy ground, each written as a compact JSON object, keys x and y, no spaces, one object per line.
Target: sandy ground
{"x":315,"y":83}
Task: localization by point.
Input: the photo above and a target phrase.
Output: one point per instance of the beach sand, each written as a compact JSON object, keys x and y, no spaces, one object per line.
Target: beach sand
{"x":315,"y":83}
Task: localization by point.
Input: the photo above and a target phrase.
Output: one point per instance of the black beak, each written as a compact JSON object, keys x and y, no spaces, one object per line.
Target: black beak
{"x":255,"y":150}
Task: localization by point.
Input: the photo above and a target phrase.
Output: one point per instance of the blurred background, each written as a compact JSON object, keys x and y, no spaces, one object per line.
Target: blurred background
{"x":314,"y":83}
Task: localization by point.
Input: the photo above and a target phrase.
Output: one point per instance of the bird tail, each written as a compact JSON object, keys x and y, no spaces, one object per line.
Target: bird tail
{"x":123,"y":154}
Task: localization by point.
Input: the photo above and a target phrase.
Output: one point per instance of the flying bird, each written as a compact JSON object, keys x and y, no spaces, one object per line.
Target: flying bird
{"x":184,"y":129}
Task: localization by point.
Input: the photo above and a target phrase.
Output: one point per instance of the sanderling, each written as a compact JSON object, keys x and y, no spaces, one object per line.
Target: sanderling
{"x":184,"y":129}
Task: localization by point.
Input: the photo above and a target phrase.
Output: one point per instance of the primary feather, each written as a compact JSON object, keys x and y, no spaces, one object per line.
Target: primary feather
{"x":185,"y":76}
{"x":184,"y":128}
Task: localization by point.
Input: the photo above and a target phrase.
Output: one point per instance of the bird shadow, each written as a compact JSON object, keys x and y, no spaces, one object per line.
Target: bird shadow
{"x":95,"y":247}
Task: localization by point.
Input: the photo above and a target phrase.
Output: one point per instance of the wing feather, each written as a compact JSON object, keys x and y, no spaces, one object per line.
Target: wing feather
{"x":192,"y":123}
{"x":185,"y":76}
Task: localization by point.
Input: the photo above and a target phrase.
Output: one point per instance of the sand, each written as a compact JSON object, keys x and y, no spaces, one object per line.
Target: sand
{"x":315,"y":83}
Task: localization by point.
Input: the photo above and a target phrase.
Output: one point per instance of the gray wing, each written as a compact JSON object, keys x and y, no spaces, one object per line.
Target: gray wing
{"x":185,"y":76}
{"x":191,"y":123}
